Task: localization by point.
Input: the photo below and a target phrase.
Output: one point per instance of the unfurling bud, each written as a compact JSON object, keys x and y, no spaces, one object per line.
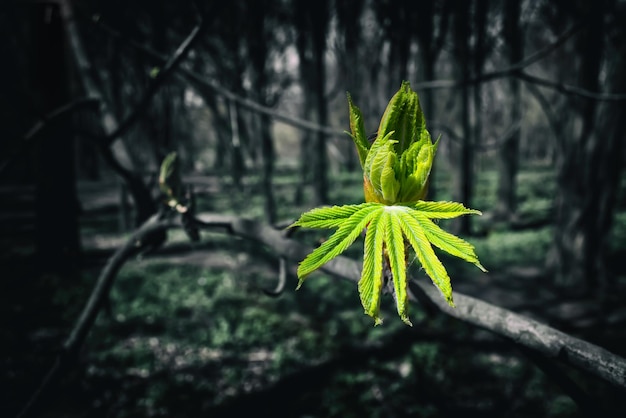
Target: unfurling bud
{"x":396,"y":166}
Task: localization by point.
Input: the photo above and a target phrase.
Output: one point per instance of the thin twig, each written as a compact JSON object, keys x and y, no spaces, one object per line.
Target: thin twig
{"x":568,"y":89}
{"x":170,"y":66}
{"x":47,"y":120}
{"x":206,"y":82}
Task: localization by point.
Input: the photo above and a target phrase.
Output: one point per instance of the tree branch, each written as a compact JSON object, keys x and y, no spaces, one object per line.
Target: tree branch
{"x":514,"y":70}
{"x":527,"y":333}
{"x":170,"y":66}
{"x":44,"y":122}
{"x":205,"y":82}
{"x":73,"y":344}
{"x":521,"y":330}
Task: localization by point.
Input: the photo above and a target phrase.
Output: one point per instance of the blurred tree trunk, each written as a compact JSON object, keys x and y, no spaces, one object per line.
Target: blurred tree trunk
{"x":320,"y":170}
{"x":115,"y":154}
{"x":311,"y":20}
{"x":430,"y":37}
{"x":479,"y":53}
{"x":349,"y":25}
{"x":57,"y":240}
{"x":308,"y":106}
{"x":589,"y":164}
{"x":258,"y":41}
{"x":237,"y":163}
{"x":396,"y":22}
{"x":464,"y":176}
{"x":507,"y":163}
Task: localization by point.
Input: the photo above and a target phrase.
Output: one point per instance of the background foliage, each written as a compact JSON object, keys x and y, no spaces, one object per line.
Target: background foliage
{"x":256,"y":111}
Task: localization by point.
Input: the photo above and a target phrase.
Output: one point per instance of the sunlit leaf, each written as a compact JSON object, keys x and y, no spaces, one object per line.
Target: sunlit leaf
{"x":447,"y":242}
{"x":371,"y":282}
{"x":358,"y":131}
{"x":347,"y":233}
{"x":443,"y":210}
{"x":426,"y":256}
{"x":396,"y":169}
{"x":394,"y":243}
{"x":327,"y":217}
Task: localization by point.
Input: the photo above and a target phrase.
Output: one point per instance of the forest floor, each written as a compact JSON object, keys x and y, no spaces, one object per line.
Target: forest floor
{"x":188,"y":331}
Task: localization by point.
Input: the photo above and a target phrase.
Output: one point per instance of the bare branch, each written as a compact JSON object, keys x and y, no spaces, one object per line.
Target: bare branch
{"x":527,"y":333}
{"x":516,"y":70}
{"x":205,"y":82}
{"x":170,"y":66}
{"x":46,"y":121}
{"x":571,"y":90}
{"x":523,"y":331}
{"x":83,"y":325}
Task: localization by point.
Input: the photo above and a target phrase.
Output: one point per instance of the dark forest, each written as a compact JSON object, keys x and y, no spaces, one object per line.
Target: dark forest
{"x":136,"y":282}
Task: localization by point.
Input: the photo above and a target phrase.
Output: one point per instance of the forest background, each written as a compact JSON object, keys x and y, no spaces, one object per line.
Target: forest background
{"x":529,"y":98}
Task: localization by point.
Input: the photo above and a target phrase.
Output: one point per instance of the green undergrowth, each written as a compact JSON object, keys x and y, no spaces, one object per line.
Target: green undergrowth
{"x":184,"y":340}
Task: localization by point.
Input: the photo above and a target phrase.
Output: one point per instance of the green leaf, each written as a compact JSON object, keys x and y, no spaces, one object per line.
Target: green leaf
{"x":447,"y":242}
{"x":396,"y":169}
{"x":424,"y":163}
{"x":397,"y":261}
{"x":376,"y":160}
{"x":388,"y":183}
{"x":443,"y":210}
{"x":394,"y":111}
{"x":347,"y":233}
{"x":358,"y":131}
{"x":327,"y":217}
{"x":389,"y":230}
{"x":409,"y":188}
{"x":405,"y":126}
{"x":426,"y":255}
{"x":371,"y":282}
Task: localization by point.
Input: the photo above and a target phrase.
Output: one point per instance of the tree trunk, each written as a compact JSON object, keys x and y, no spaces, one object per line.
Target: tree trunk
{"x":349,"y":25}
{"x":507,"y":163}
{"x":430,"y":44}
{"x":311,"y":20}
{"x":258,"y":40}
{"x":464,"y":174}
{"x":320,"y":167}
{"x":57,"y":239}
{"x":116,"y":154}
{"x":589,"y":167}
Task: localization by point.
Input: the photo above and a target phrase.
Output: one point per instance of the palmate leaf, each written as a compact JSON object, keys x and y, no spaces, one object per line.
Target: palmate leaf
{"x":388,"y":229}
{"x":426,"y":256}
{"x":443,"y":210}
{"x":396,"y":171}
{"x":345,"y":235}
{"x":397,"y":260}
{"x":371,"y":282}
{"x":327,"y":217}
{"x":447,"y":242}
